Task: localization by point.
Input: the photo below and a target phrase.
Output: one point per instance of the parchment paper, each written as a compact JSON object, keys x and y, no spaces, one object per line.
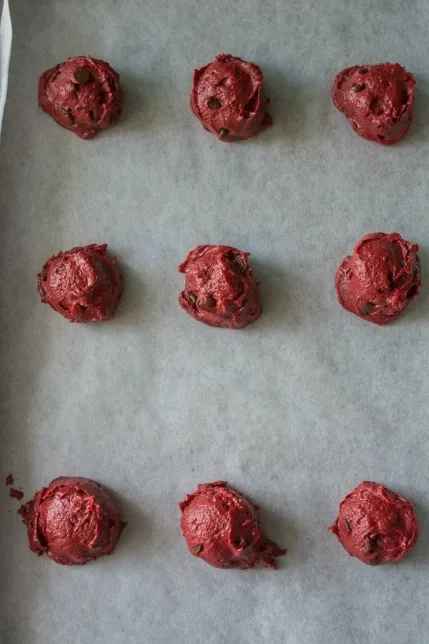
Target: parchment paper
{"x":295,"y":410}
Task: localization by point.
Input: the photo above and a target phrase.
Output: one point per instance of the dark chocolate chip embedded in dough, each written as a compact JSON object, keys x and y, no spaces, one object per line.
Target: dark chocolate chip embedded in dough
{"x":197,"y":549}
{"x":192,"y":298}
{"x":376,"y":106}
{"x":348,"y":525}
{"x":358,"y":88}
{"x":214,"y":103}
{"x":241,"y":263}
{"x":42,"y":291}
{"x":210,"y":302}
{"x":224,"y":132}
{"x":68,"y":113}
{"x":367,"y":307}
{"x":412,"y":292}
{"x":83,"y":75}
{"x":111,"y":83}
{"x":370,"y":546}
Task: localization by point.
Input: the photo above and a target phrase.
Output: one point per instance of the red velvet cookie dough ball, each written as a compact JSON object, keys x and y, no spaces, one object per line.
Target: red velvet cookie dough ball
{"x":376,"y":525}
{"x":377,"y":100}
{"x":219,"y":287}
{"x":221,"y":527}
{"x":380,"y":279}
{"x":227,"y":98}
{"x":83,"y":284}
{"x":72,"y":521}
{"x":83,"y":95}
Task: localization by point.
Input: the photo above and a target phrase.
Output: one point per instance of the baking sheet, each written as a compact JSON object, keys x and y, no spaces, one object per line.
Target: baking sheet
{"x":296,"y":409}
{"x":5,"y":49}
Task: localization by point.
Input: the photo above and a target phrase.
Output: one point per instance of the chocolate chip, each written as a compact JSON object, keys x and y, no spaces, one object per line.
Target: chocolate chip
{"x":376,"y":106}
{"x":367,"y":307}
{"x":348,"y":525}
{"x":239,"y":544}
{"x":197,"y":549}
{"x":44,"y":276}
{"x":224,"y":132}
{"x":91,"y":116}
{"x":42,"y":291}
{"x":404,"y":97}
{"x":359,"y":88}
{"x":214,"y":103}
{"x":370,"y":546}
{"x":241,"y":263}
{"x":83,"y":75}
{"x":68,"y":113}
{"x":210,"y":302}
{"x":412,"y":292}
{"x":363,"y":70}
{"x":223,"y":81}
{"x":192,"y":298}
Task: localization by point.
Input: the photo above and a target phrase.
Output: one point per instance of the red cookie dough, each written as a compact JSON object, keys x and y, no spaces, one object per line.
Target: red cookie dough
{"x":219,"y":287}
{"x":376,"y":525}
{"x":72,"y":521}
{"x":83,"y":95}
{"x":83,"y":284}
{"x":380,"y":279}
{"x":377,"y":100}
{"x":227,"y":98}
{"x":221,"y":527}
